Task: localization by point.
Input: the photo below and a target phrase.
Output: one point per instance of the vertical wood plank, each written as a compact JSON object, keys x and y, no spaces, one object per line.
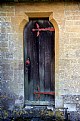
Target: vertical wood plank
{"x":29,"y":54}
{"x":41,"y":63}
{"x":25,"y":70}
{"x":52,"y":66}
{"x":35,"y":63}
{"x":53,"y":62}
{"x":47,"y":67}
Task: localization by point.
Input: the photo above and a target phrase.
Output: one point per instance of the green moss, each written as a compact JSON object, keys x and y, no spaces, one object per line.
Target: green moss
{"x":59,"y":116}
{"x":22,"y":114}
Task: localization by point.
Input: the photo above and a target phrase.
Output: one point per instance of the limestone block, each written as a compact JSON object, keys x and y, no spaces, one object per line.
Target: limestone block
{"x":71,"y":7}
{"x":2,"y":13}
{"x":71,"y":107}
{"x":3,"y":37}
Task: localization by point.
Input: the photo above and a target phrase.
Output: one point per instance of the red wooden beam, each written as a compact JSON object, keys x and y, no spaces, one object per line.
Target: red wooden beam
{"x":45,"y":93}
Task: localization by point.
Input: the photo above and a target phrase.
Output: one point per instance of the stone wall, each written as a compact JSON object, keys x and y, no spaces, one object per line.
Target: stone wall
{"x":13,"y":18}
{"x":11,"y":58}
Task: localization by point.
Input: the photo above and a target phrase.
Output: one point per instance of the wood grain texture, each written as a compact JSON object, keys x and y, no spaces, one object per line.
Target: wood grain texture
{"x":40,"y":49}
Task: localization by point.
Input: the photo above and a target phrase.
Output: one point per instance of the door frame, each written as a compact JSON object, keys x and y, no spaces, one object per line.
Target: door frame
{"x":44,"y":14}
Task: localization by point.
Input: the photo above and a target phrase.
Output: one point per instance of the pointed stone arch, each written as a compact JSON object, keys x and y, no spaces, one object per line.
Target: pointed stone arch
{"x":25,"y":20}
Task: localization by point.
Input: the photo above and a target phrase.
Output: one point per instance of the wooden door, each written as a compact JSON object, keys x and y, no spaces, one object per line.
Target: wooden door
{"x":39,"y":62}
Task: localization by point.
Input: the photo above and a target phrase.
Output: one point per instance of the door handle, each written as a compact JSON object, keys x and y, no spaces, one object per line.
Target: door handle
{"x":27,"y":63}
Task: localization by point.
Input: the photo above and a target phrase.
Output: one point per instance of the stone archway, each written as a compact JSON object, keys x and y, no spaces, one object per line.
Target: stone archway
{"x":52,"y":20}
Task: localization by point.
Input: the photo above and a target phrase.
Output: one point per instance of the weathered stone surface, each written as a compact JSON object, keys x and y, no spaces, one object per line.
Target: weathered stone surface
{"x":71,"y":98}
{"x":67,"y":76}
{"x":32,"y":113}
{"x":3,"y":37}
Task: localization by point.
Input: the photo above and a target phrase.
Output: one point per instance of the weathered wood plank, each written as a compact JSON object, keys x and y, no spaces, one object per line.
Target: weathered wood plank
{"x":47,"y":67}
{"x":52,"y":66}
{"x":25,"y":69}
{"x":29,"y":54}
{"x":41,"y":63}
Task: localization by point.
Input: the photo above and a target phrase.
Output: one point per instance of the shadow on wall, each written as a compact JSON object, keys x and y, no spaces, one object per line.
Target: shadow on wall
{"x":7,"y":97}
